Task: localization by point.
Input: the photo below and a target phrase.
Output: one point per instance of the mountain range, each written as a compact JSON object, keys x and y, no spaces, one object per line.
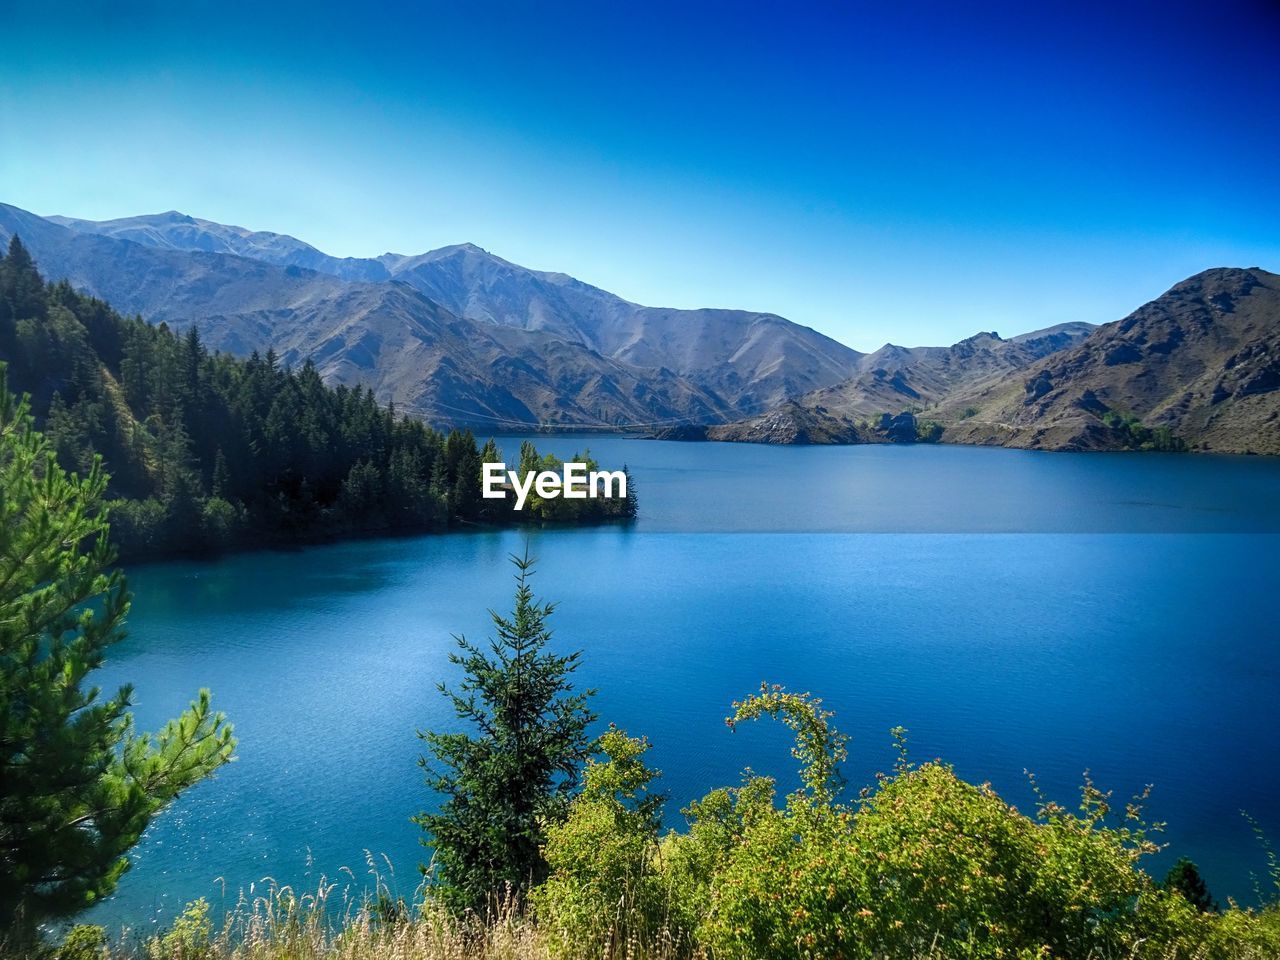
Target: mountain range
{"x":461,"y":336}
{"x":457,"y":335}
{"x":1197,"y":368}
{"x":896,"y":379}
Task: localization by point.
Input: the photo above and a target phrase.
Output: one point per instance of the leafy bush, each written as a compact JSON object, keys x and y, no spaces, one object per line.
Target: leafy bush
{"x":83,"y":942}
{"x":923,"y":864}
{"x":139,"y":527}
{"x":189,"y":939}
{"x":928,"y":431}
{"x":1139,"y":437}
{"x":221,"y":522}
{"x":603,"y":890}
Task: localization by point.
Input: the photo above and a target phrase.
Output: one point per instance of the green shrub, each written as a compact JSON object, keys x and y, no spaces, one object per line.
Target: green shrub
{"x":690,"y":862}
{"x":928,"y":431}
{"x":83,"y":942}
{"x":921,"y":864}
{"x":138,"y":526}
{"x":603,"y":890}
{"x":190,"y":938}
{"x":1139,"y":437}
{"x":221,"y":522}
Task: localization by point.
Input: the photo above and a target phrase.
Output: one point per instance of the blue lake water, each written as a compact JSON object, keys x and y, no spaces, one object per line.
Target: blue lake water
{"x":1050,"y":612}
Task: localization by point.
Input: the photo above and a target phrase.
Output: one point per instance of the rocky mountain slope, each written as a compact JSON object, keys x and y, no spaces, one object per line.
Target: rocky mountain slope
{"x":753,"y":360}
{"x":908,"y":378}
{"x":177,"y":231}
{"x":1200,"y":364}
{"x":898,"y":380}
{"x":385,"y":335}
{"x":1197,"y":368}
{"x":747,"y":361}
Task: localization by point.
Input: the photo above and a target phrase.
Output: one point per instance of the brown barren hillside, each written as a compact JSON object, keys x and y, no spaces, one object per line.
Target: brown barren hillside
{"x":1201,"y":361}
{"x":1197,"y":368}
{"x":878,"y":404}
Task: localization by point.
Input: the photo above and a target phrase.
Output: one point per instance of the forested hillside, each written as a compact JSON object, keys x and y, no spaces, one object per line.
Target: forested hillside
{"x":207,"y":452}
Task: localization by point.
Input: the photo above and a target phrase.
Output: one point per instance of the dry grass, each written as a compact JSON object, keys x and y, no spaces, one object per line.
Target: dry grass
{"x":281,"y":930}
{"x":438,"y":937}
{"x":329,"y":924}
{"x":279,"y":926}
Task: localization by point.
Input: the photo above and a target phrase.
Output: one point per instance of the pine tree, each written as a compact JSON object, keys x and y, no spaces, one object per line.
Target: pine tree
{"x":221,"y":484}
{"x":632,"y":505}
{"x":25,"y":298}
{"x":464,"y":497}
{"x":1185,"y":878}
{"x":503,"y":786}
{"x":78,"y":785}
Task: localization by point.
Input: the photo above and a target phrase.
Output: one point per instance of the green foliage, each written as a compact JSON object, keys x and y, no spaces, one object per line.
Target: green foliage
{"x":922,"y":864}
{"x":220,"y":521}
{"x":79,"y":785}
{"x":603,"y":891}
{"x":179,"y":428}
{"x":1139,"y":437}
{"x":83,"y":942}
{"x":691,"y":862}
{"x":140,"y":527}
{"x":190,"y":937}
{"x":503,"y":787}
{"x":819,"y":747}
{"x":928,"y":431}
{"x":1185,"y":878}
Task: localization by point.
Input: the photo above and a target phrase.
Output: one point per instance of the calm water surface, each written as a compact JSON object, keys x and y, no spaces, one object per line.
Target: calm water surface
{"x":1051,"y":612}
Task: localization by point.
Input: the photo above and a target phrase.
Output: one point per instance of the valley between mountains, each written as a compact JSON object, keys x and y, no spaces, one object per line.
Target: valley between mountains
{"x":460,"y":336}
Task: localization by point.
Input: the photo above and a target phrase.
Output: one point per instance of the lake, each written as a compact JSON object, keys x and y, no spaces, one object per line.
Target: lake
{"x":1014,"y":610}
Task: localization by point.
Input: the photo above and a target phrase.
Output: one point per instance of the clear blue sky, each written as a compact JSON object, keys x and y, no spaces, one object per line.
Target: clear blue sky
{"x":912,"y":172}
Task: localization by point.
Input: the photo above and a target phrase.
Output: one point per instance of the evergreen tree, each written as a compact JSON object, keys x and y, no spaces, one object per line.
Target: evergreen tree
{"x":23,"y":296}
{"x":631,"y":507}
{"x":465,"y":501}
{"x":1185,"y":878}
{"x":503,"y":786}
{"x":221,"y":485}
{"x":78,"y":785}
